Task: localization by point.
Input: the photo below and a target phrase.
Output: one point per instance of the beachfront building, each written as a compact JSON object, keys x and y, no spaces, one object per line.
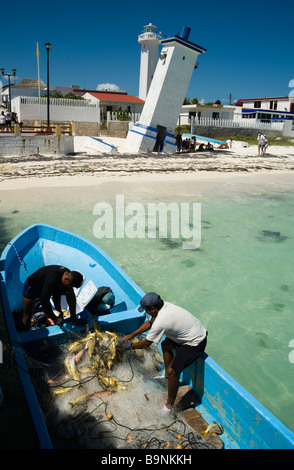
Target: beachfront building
{"x":267,"y":110}
{"x":274,"y":115}
{"x":202,"y":111}
{"x":149,"y":41}
{"x":110,"y":102}
{"x":88,"y":114}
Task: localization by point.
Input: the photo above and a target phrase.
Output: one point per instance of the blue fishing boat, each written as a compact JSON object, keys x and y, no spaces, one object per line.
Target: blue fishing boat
{"x":247,"y":424}
{"x":199,"y":139}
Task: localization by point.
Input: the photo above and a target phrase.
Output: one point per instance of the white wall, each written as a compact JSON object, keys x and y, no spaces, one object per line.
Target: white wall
{"x":28,"y":109}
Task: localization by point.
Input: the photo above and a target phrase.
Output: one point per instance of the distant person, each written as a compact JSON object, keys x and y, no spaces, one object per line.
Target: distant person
{"x":260,"y":140}
{"x":8,"y":117}
{"x":201,"y":148}
{"x":185,"y":336}
{"x":14,"y":118}
{"x":230,"y":143}
{"x":209,"y":146}
{"x":186,"y":145}
{"x":193,"y":143}
{"x":179,"y":142}
{"x":50,"y":281}
{"x":265,"y":145}
{"x":2,"y":121}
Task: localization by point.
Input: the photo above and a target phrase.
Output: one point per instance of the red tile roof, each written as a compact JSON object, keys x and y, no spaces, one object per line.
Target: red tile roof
{"x":118,"y":97}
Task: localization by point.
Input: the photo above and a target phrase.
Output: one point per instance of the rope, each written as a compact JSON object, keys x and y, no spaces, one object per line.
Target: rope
{"x":19,"y":259}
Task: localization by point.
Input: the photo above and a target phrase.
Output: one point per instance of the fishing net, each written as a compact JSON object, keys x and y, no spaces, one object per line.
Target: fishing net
{"x":93,"y":394}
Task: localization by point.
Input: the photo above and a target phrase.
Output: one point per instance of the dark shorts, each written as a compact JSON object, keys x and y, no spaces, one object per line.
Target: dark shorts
{"x":186,"y":355}
{"x":28,"y":292}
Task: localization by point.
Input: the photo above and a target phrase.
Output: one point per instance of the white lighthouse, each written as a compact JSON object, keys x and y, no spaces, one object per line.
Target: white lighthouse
{"x":149,"y":41}
{"x":155,"y":130}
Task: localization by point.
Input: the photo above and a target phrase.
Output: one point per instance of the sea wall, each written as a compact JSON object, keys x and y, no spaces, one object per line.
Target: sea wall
{"x":216,"y":131}
{"x":36,"y":145}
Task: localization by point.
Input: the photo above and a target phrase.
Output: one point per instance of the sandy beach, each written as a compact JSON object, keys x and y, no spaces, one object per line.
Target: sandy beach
{"x":87,"y":175}
{"x":86,"y":166}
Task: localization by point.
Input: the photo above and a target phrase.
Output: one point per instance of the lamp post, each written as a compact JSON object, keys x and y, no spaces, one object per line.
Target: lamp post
{"x":48,"y":45}
{"x":9,"y":75}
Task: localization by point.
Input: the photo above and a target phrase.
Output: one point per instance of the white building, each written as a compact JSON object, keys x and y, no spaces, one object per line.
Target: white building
{"x":267,"y":114}
{"x":112,"y":101}
{"x":201,"y":111}
{"x":149,"y":41}
{"x":284,"y":103}
{"x":265,"y":110}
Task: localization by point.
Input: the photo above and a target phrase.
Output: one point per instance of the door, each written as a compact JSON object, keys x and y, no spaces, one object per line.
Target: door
{"x":161,"y":131}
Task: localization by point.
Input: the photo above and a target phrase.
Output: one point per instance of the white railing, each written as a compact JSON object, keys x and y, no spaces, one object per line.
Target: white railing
{"x":56,"y":101}
{"x":113,"y":116}
{"x":249,"y":123}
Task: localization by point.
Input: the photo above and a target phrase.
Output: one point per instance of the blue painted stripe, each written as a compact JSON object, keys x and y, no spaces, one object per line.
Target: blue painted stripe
{"x":144,"y":135}
{"x":170,"y":143}
{"x":149,"y":128}
{"x":170,"y":135}
{"x":265,"y":111}
{"x":104,"y":143}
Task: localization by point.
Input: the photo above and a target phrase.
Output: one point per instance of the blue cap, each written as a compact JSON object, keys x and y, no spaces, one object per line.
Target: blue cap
{"x":149,"y":300}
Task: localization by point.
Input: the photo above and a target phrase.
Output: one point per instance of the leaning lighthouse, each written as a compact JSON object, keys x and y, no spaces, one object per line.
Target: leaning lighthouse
{"x":149,"y":41}
{"x":155,"y":130}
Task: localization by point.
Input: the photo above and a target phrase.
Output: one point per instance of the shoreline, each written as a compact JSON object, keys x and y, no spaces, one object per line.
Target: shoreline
{"x":181,"y":174}
{"x":46,"y":192}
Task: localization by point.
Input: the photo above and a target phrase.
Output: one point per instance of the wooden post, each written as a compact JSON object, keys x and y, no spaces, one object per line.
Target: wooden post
{"x":73,"y":128}
{"x":16,"y":129}
{"x":58,"y":130}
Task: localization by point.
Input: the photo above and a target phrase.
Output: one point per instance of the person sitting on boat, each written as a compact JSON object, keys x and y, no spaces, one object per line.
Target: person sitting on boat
{"x":184,"y":333}
{"x":51,"y":281}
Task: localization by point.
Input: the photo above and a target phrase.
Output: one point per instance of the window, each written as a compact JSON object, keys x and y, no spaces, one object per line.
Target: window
{"x":215,"y":115}
{"x":248,"y":116}
{"x":257,"y":104}
{"x":264,"y":117}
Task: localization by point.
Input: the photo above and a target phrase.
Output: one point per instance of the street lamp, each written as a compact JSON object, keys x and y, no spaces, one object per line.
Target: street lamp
{"x":9,"y":75}
{"x":48,"y":45}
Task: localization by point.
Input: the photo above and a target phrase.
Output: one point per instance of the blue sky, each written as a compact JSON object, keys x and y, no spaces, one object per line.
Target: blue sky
{"x":249,"y":45}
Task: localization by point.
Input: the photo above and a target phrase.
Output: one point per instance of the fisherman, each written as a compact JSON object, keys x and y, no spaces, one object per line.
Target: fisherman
{"x":51,"y":281}
{"x":184,"y":333}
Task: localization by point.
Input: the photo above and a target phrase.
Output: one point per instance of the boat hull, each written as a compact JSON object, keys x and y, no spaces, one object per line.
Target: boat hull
{"x":247,"y":424}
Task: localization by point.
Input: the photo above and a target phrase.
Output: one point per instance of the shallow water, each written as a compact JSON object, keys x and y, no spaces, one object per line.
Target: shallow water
{"x":239,"y":282}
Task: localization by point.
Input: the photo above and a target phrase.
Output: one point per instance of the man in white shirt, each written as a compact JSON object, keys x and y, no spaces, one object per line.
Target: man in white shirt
{"x":184,"y":333}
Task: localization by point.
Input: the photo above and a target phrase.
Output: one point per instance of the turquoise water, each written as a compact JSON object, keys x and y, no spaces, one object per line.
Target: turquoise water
{"x":239,"y":282}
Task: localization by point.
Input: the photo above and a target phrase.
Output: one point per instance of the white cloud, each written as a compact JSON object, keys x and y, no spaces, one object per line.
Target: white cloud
{"x":108,"y":87}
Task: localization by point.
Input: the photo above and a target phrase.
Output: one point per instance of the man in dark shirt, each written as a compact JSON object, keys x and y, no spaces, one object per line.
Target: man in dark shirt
{"x":51,"y":281}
